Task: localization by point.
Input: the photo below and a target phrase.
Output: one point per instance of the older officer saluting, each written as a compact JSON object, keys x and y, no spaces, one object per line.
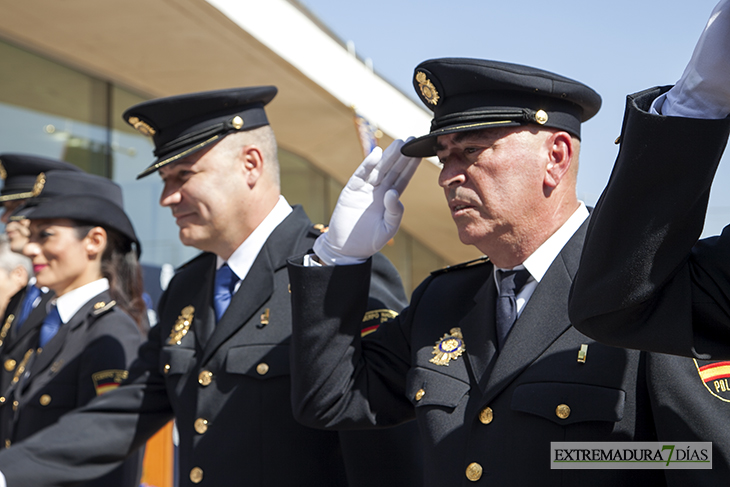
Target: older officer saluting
{"x":218,"y":361}
{"x":485,"y":357}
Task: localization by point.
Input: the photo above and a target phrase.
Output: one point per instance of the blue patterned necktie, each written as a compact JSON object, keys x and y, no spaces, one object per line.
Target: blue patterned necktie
{"x":30,"y":296}
{"x":225,"y":282}
{"x":50,"y":326}
{"x":510,"y":282}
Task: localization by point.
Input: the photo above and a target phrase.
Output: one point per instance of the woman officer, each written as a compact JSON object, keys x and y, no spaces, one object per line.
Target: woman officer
{"x":84,"y":248}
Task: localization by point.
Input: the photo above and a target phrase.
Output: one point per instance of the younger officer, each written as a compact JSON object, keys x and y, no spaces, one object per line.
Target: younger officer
{"x":485,"y":357}
{"x":20,"y":174}
{"x":218,"y":360}
{"x":84,"y":249}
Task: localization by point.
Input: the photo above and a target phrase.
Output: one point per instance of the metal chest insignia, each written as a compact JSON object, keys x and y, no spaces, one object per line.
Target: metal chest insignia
{"x":449,"y":347}
{"x":182,"y":325}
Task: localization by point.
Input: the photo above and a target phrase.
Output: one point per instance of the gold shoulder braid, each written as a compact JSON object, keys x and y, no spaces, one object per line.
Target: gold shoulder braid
{"x":182,"y":325}
{"x":6,"y":328}
{"x":21,"y":367}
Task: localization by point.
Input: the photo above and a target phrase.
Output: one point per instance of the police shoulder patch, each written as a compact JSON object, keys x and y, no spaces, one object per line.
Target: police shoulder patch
{"x":107,"y":380}
{"x":714,"y":376}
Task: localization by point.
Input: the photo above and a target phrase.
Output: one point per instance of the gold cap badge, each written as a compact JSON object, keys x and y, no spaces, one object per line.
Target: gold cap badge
{"x":237,"y":122}
{"x":142,"y":127}
{"x":3,"y":172}
{"x":428,"y":90}
{"x":449,"y":347}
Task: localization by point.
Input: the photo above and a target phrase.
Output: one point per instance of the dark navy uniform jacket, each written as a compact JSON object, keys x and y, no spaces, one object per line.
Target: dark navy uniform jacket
{"x":15,"y":340}
{"x":88,"y":356}
{"x":488,"y":417}
{"x":229,"y":394}
{"x":645,"y":281}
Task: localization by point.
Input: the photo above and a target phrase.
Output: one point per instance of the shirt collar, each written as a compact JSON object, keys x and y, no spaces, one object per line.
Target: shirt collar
{"x":71,"y":302}
{"x":540,"y":260}
{"x":243,"y":257}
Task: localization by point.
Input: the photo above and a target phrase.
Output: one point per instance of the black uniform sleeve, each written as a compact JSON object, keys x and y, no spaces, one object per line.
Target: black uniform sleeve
{"x":643,"y":282}
{"x":95,"y":439}
{"x":338,"y":379}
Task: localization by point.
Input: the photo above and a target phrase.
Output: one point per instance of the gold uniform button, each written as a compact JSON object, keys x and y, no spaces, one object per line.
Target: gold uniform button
{"x":167,"y":368}
{"x":15,"y":405}
{"x":8,"y":443}
{"x":201,"y":425}
{"x":196,"y":475}
{"x":419,"y":394}
{"x":562,"y":411}
{"x":262,"y":368}
{"x":2,"y":400}
{"x":10,"y":365}
{"x":474,"y":472}
{"x":45,"y":400}
{"x":205,"y":378}
{"x":486,"y":415}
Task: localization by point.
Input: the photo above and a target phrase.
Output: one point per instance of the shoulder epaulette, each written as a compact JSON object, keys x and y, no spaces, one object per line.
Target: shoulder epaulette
{"x":481,"y":260}
{"x":318,"y":228}
{"x":194,"y":259}
{"x":101,"y":307}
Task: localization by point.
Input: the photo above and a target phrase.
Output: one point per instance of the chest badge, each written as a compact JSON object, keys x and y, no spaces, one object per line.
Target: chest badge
{"x":182,"y":325}
{"x":448,"y":348}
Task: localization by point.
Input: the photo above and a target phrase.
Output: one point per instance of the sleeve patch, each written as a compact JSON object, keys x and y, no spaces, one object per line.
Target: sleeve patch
{"x":108,"y":380}
{"x":379,"y":315}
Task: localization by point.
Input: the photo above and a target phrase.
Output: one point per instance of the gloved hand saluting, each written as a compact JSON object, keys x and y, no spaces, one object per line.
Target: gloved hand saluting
{"x":368,"y":211}
{"x":703,"y":91}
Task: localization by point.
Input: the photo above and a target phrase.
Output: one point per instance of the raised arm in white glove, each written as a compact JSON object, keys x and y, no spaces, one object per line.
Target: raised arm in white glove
{"x":368,"y":211}
{"x":703,"y":91}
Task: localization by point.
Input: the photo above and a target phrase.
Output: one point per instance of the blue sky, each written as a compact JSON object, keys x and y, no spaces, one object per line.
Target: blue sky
{"x":616,"y":47}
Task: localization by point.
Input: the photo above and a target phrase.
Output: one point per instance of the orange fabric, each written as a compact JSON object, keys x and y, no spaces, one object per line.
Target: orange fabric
{"x":157,"y":470}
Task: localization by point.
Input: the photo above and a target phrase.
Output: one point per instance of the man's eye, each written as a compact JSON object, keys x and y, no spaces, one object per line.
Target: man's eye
{"x":44,"y":234}
{"x":471,"y":150}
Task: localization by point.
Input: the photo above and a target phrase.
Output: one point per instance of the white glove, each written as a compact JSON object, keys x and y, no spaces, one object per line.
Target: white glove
{"x":703,"y":91}
{"x":368,"y":211}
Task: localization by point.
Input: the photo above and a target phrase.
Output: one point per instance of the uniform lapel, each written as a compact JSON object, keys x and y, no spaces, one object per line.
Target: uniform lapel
{"x":479,"y":334}
{"x":258,"y":285}
{"x":34,"y":320}
{"x":544,"y":319}
{"x":56,"y":344}
{"x":253,"y":292}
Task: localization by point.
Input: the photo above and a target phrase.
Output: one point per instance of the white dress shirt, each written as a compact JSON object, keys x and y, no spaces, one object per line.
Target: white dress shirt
{"x":541,"y":259}
{"x":243,"y":257}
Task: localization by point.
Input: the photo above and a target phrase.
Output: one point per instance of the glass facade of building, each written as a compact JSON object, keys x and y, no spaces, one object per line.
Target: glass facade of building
{"x":52,"y":110}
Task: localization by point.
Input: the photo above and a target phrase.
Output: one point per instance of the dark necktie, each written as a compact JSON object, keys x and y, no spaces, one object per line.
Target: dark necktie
{"x":30,"y":296}
{"x":51,"y":323}
{"x":225,"y":282}
{"x":510,"y":282}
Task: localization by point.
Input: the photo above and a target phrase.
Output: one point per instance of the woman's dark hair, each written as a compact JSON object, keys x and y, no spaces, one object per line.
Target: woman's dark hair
{"x":120,"y":266}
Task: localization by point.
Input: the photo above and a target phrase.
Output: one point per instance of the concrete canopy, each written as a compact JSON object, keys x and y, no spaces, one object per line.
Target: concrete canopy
{"x":167,"y":47}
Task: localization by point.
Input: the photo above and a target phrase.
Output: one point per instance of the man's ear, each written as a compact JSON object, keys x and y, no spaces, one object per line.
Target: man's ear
{"x":560,"y":153}
{"x":253,"y":162}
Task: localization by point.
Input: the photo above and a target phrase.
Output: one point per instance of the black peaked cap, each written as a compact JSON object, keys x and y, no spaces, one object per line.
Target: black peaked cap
{"x":473,"y":94}
{"x":83,"y":197}
{"x":20,"y":172}
{"x":182,"y":125}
